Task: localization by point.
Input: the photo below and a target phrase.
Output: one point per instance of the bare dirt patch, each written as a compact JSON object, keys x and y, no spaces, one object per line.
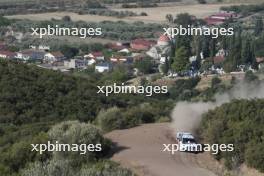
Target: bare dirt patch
{"x":141,"y":150}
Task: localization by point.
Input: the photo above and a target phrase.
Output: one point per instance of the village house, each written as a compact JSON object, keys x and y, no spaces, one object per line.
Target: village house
{"x":90,"y":61}
{"x":118,"y":59}
{"x":141,"y":44}
{"x":76,"y":64}
{"x":98,"y":56}
{"x":53,"y":57}
{"x":30,"y":54}
{"x":220,"y":18}
{"x":125,"y":51}
{"x":116,"y":46}
{"x":7,"y":54}
{"x":103,"y":67}
{"x":161,"y":51}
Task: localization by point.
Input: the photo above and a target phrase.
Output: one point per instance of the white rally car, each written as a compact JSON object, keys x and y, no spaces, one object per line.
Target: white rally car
{"x":187,"y":143}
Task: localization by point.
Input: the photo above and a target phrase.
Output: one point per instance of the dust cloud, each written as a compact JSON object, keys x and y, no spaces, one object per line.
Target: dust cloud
{"x":186,"y":116}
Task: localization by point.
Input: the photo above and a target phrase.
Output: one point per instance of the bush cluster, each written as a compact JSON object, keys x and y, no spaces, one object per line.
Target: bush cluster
{"x":240,"y":123}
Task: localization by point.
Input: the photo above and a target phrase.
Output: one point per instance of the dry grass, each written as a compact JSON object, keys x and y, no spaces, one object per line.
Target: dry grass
{"x":206,"y":81}
{"x":156,"y":15}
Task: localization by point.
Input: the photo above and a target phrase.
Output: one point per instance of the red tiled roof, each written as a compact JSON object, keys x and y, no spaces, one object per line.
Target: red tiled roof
{"x":115,"y":46}
{"x":143,"y":42}
{"x":225,"y":14}
{"x":7,"y":53}
{"x":164,"y":38}
{"x":211,"y":21}
{"x":220,"y":17}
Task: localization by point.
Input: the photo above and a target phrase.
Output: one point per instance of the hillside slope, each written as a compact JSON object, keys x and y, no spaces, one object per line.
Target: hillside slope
{"x":240,"y":123}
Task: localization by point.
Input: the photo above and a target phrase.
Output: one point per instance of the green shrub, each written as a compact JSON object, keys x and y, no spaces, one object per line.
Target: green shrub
{"x":240,"y":123}
{"x":49,"y":168}
{"x":74,"y":132}
{"x":254,"y":155}
{"x":110,"y":119}
{"x":105,"y":168}
{"x":183,"y":89}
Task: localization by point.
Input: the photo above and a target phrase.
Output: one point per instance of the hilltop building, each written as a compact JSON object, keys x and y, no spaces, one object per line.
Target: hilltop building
{"x":161,"y":51}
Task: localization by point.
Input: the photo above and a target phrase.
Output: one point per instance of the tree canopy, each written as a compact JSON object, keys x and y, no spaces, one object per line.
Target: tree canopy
{"x":240,"y":123}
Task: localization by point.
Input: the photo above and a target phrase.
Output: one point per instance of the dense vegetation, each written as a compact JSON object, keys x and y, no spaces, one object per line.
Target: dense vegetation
{"x":112,"y":30}
{"x":240,"y":49}
{"x":240,"y":123}
{"x":72,"y":163}
{"x":31,"y":95}
{"x":82,"y":7}
{"x":32,"y":100}
{"x":107,"y":12}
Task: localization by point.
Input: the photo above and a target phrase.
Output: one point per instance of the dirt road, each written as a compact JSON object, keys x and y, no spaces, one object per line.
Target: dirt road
{"x":141,"y":149}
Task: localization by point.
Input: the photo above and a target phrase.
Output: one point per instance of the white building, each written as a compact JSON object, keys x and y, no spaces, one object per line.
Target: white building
{"x":91,"y":61}
{"x":125,"y":50}
{"x":7,"y":54}
{"x":103,"y":67}
{"x":161,"y":50}
{"x":76,"y":64}
{"x":53,"y":57}
{"x":30,"y":54}
{"x":22,"y":56}
{"x":95,"y":55}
